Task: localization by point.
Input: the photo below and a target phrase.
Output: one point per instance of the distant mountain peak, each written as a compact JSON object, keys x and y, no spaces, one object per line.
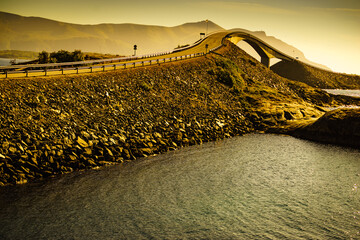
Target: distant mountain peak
{"x":203,"y":23}
{"x":38,"y":34}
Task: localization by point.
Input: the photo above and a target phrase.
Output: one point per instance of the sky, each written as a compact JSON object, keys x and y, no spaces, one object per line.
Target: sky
{"x":326,"y":31}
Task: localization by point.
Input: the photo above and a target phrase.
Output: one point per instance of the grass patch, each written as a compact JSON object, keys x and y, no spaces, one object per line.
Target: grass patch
{"x":228,"y":73}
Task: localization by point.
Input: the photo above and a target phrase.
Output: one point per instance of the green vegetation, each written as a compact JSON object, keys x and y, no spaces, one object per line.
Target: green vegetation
{"x":66,"y":56}
{"x":61,"y":56}
{"x":45,"y":57}
{"x":228,"y":73}
{"x":17,"y":54}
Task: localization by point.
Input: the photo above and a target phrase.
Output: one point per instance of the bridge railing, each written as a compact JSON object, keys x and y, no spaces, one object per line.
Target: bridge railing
{"x":100,"y":61}
{"x":215,"y":48}
{"x":95,"y":68}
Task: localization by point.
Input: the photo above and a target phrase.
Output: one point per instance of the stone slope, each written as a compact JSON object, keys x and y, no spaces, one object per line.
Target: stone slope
{"x":60,"y":124}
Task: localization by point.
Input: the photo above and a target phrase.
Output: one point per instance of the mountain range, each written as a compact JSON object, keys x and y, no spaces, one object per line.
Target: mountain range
{"x":38,"y":34}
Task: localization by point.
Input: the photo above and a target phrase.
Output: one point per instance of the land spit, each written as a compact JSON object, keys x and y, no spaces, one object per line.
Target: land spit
{"x":56,"y":125}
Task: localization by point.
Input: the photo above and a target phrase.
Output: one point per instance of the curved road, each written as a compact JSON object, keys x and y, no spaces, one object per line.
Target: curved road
{"x":212,"y":41}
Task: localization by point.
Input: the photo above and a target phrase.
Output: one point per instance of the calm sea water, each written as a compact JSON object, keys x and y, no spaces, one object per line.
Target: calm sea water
{"x":250,"y":187}
{"x":6,"y":61}
{"x":346,"y":92}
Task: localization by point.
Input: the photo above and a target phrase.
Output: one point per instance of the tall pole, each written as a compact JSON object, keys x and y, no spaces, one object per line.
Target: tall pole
{"x":207,"y":26}
{"x":135,"y":48}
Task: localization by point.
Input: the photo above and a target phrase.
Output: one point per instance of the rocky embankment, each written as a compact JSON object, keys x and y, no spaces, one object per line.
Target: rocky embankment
{"x":60,"y":124}
{"x":340,"y":126}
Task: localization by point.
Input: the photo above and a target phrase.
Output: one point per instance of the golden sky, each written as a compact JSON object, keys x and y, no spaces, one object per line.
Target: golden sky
{"x":327,"y":31}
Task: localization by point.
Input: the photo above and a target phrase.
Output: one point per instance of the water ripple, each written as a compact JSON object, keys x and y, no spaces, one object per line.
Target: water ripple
{"x":251,"y":187}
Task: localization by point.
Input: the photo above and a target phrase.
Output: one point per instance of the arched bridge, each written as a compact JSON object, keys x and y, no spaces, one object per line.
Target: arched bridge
{"x":265,"y":50}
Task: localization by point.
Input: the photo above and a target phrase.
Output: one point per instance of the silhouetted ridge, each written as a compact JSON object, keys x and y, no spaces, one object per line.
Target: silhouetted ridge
{"x":315,"y":77}
{"x":38,"y":34}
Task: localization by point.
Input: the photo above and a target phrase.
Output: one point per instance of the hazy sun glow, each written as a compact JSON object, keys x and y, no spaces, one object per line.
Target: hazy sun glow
{"x":327,"y":31}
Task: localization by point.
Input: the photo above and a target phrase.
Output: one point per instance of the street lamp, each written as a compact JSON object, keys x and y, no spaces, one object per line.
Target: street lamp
{"x":135,"y":48}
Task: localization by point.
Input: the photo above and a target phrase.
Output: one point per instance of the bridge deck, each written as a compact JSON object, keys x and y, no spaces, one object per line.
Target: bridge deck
{"x":210,"y":42}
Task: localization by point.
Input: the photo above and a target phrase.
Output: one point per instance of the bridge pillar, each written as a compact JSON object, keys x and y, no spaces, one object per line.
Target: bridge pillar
{"x":266,"y":61}
{"x":264,"y":57}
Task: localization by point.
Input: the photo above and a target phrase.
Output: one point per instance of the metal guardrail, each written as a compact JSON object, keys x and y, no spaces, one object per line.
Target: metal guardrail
{"x":101,"y":61}
{"x":103,"y":67}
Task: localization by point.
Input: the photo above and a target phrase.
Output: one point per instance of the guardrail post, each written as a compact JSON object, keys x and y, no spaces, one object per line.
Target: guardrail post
{"x":150,"y":62}
{"x":175,"y":58}
{"x":124,"y":65}
{"x":91,"y":69}
{"x":27,"y":73}
{"x":114,"y":66}
{"x":45,"y":72}
{"x":6,"y":74}
{"x":134,"y":64}
{"x":142,"y":63}
{"x":157,"y":61}
{"x":62,"y":71}
{"x":77,"y":70}
{"x":103,"y":67}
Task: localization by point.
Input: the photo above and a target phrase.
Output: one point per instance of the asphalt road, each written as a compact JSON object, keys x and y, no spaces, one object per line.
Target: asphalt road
{"x":210,"y":42}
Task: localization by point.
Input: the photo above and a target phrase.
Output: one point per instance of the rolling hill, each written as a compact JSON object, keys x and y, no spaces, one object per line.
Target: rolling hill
{"x":37,"y":34}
